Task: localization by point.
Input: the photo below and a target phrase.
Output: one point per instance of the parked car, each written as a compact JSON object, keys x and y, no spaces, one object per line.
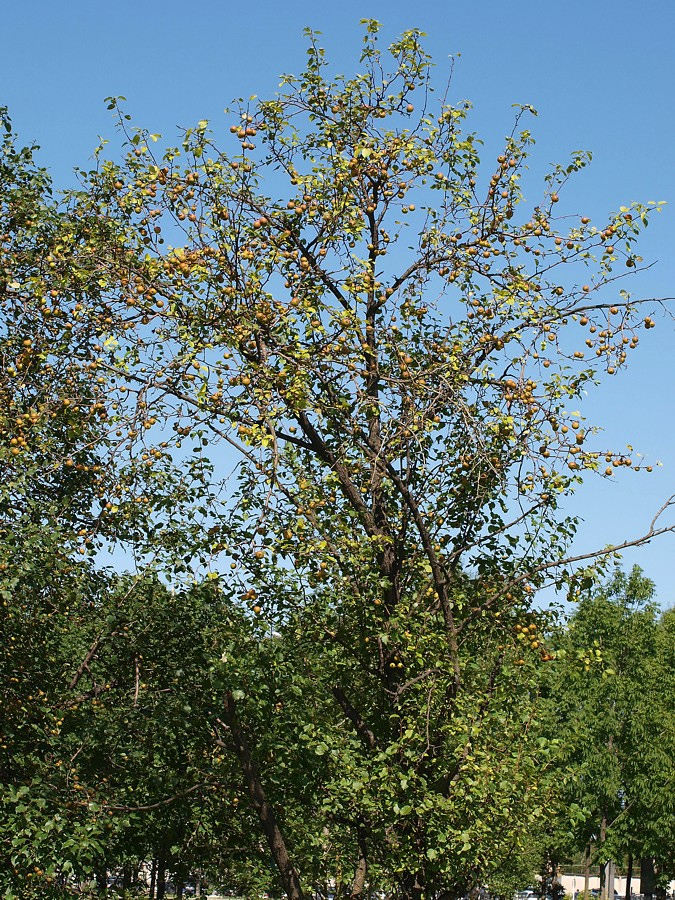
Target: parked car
{"x":527,"y":894}
{"x":189,"y":888}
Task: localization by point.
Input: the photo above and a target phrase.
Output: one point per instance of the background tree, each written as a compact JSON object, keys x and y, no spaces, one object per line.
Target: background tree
{"x":617,"y":714}
{"x":65,"y":637}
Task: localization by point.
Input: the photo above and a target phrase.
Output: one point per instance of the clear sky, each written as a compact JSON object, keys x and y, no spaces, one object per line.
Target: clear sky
{"x":601,"y":75}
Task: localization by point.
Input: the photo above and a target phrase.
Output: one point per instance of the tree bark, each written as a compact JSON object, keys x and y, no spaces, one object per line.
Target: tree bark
{"x":161,"y":878}
{"x":361,"y":868}
{"x":364,"y":732}
{"x":604,"y":866}
{"x":275,"y":838}
{"x":629,"y":876}
{"x":647,"y":878}
{"x":611,"y":870}
{"x":153,"y":879}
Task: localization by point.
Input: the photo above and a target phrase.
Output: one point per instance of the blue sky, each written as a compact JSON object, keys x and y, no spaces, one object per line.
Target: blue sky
{"x":601,"y":75}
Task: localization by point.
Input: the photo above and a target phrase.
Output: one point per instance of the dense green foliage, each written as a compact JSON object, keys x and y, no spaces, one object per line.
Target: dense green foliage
{"x":614,"y":700}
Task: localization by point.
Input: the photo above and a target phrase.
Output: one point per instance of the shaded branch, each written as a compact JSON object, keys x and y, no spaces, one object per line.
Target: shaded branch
{"x":355,"y":717}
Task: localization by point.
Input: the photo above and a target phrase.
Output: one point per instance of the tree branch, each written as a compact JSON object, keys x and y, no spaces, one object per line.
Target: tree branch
{"x":355,"y":717}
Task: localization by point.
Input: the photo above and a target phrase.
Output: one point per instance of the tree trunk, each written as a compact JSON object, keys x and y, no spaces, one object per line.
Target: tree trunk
{"x":605,"y":866}
{"x":161,"y":878}
{"x":629,"y":876}
{"x":275,"y":838}
{"x":587,"y":871}
{"x":611,"y":870}
{"x":647,"y":878}
{"x":361,"y":868}
{"x":153,"y":879}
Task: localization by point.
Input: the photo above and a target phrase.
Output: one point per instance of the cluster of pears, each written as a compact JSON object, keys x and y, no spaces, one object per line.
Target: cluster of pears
{"x":526,"y":633}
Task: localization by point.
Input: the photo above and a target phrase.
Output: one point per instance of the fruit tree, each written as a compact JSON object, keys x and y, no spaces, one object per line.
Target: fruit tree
{"x":390,"y":343}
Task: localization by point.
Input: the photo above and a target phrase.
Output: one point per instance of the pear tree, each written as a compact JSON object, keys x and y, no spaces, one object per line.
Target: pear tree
{"x":340,"y":364}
